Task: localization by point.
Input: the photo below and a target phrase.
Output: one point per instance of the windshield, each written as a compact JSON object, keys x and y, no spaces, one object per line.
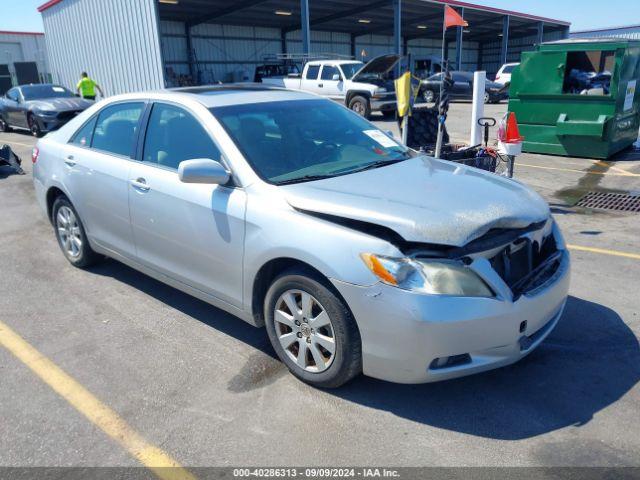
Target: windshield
{"x":300,"y":140}
{"x":350,"y":69}
{"x":35,"y":92}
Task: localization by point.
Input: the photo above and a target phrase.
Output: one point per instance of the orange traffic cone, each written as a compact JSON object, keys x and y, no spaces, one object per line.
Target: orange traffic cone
{"x":512,"y":135}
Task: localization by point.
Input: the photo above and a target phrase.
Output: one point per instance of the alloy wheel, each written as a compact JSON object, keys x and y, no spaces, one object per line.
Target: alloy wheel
{"x":359,"y":108}
{"x":68,"y":230}
{"x":305,"y":331}
{"x":429,"y":96}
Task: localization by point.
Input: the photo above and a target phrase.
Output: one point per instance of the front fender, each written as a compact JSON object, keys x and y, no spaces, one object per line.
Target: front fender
{"x":274,"y":230}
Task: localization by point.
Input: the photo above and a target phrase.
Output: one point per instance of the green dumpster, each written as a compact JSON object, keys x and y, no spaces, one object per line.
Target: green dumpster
{"x":578,"y":97}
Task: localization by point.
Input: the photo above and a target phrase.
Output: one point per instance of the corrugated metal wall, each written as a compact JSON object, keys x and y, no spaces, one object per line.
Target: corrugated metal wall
{"x":491,"y":50}
{"x":228,"y":53}
{"x":630,"y":33}
{"x":222,"y":52}
{"x":23,"y":47}
{"x":115,"y":41}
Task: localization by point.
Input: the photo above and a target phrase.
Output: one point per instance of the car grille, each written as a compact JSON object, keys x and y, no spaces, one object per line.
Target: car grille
{"x":525,"y":265}
{"x":66,"y":116}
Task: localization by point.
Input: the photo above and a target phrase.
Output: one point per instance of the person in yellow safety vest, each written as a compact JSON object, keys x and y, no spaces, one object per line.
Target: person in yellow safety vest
{"x":87,"y":87}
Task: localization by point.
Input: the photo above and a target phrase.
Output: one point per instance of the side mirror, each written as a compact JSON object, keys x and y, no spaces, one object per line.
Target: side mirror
{"x":203,"y":170}
{"x":336,"y":77}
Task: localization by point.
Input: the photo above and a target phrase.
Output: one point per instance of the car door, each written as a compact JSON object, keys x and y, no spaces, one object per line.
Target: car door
{"x":193,"y":233}
{"x":15,"y":115}
{"x":461,"y":87}
{"x":97,"y":162}
{"x":310,"y":81}
{"x":328,"y":85}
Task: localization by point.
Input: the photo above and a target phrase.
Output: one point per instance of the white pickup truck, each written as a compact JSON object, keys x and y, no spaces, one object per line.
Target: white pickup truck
{"x":364,"y":88}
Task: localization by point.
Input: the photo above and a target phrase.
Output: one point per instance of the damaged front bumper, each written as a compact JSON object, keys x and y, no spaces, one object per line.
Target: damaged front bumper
{"x":408,"y":337}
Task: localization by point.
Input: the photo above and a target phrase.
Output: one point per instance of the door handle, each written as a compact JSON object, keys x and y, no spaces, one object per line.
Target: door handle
{"x":70,"y":161}
{"x":140,"y":184}
{"x":320,"y":85}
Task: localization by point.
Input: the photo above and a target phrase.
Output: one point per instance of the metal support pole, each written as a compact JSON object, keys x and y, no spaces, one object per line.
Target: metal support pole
{"x":459,"y":32}
{"x":353,"y":45}
{"x":565,"y":32}
{"x":504,"y":47}
{"x":438,"y":151}
{"x":405,"y":46}
{"x":397,"y":31}
{"x":480,"y":55}
{"x":283,"y":41}
{"x":306,"y":29}
{"x":192,"y":69}
{"x":477,"y":107}
{"x":540,"y":36}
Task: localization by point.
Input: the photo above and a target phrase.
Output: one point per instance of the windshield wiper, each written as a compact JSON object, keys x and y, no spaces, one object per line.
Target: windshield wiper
{"x":371,"y":166}
{"x":305,"y":178}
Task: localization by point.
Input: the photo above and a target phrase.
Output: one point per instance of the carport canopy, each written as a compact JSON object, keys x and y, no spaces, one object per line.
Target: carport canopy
{"x":418,"y":18}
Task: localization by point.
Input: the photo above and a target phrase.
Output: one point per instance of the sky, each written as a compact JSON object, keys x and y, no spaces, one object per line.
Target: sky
{"x":22,"y":15}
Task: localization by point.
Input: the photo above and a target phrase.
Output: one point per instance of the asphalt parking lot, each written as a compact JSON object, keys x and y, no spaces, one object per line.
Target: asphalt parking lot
{"x":206,"y":390}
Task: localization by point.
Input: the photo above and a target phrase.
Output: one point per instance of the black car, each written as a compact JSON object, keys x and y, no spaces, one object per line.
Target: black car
{"x":462,"y":88}
{"x":39,"y":108}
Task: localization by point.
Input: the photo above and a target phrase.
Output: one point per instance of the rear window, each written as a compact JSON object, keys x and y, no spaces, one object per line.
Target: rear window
{"x":508,"y":68}
{"x":312,"y":72}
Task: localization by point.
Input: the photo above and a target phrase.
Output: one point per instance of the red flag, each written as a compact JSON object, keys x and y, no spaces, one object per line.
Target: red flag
{"x":452,"y":19}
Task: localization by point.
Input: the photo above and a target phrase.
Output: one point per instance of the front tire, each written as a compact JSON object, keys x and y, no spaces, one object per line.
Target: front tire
{"x":360,"y":105}
{"x":4,"y":126}
{"x":71,"y":235}
{"x":312,"y":330}
{"x":34,"y":126}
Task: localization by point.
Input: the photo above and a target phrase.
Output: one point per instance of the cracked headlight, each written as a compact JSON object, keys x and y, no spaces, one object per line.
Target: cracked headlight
{"x":435,"y":277}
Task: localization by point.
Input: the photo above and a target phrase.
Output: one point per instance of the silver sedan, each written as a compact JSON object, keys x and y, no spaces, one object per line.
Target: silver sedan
{"x":291,"y":212}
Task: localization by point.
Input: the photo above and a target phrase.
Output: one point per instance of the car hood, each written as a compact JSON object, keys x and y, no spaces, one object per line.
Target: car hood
{"x":59,"y":104}
{"x":377,"y":66}
{"x":424,"y":200}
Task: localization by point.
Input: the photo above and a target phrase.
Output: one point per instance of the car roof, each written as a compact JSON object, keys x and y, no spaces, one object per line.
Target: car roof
{"x":222,"y":95}
{"x":38,"y":85}
{"x":332,"y":62}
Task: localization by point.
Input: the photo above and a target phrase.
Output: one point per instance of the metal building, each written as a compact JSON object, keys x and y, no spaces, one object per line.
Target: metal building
{"x":148,"y":44}
{"x":630,"y":32}
{"x":23,"y":57}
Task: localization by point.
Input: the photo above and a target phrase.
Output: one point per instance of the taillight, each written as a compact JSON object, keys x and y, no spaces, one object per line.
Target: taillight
{"x":34,"y":154}
{"x":497,"y":77}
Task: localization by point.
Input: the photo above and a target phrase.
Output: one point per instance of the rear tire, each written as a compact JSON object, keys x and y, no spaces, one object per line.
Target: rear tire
{"x":70,"y":234}
{"x":321,"y":322}
{"x":360,"y":105}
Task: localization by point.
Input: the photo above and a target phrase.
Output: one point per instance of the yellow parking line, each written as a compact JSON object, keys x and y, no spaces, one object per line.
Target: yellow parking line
{"x":625,"y":174}
{"x":604,"y":251}
{"x":11,"y":142}
{"x":604,"y":164}
{"x":96,"y":412}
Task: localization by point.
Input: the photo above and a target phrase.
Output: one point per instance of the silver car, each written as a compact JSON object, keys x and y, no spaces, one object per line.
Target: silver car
{"x":291,"y":212}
